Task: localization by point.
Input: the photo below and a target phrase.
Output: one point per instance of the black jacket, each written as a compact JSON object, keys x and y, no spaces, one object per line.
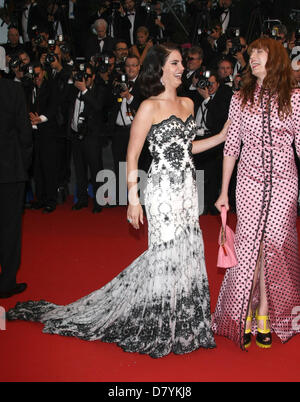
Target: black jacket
{"x":46,"y":104}
{"x":15,"y":134}
{"x":93,"y":109}
{"x":92,"y":46}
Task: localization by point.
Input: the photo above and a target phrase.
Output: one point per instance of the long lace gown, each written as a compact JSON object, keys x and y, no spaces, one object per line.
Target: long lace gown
{"x":160,"y":303}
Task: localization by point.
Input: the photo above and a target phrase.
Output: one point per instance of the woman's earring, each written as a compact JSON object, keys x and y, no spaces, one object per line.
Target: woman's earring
{"x":161,"y":81}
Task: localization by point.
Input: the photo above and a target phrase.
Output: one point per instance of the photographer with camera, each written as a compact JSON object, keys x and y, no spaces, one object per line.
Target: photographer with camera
{"x":121,"y":52}
{"x":211,"y":111}
{"x":86,"y":128}
{"x":43,"y":116}
{"x":225,"y":71}
{"x":39,"y":41}
{"x":60,"y":72}
{"x":236,"y":51}
{"x":194,"y":61}
{"x":126,"y":101}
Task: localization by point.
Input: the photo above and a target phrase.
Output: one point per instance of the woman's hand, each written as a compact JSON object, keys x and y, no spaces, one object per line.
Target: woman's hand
{"x":222,"y":201}
{"x":135,"y":215}
{"x":224,"y":131}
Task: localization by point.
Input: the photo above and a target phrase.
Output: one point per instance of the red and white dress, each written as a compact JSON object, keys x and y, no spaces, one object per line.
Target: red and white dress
{"x":266,"y":200}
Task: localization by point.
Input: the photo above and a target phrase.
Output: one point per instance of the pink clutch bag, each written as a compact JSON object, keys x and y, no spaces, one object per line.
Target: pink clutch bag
{"x":226,"y":255}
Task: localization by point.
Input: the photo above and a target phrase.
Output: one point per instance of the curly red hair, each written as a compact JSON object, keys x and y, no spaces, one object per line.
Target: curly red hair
{"x":279,"y":80}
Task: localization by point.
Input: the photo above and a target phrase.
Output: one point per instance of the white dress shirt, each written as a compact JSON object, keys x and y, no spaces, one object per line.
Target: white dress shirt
{"x":127,"y":119}
{"x":225,"y":19}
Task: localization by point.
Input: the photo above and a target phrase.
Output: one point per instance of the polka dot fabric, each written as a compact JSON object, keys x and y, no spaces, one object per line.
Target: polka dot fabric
{"x":266,"y":197}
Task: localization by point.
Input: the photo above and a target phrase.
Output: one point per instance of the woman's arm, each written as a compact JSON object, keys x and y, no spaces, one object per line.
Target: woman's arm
{"x":203,"y":145}
{"x":140,"y":127}
{"x":228,"y":166}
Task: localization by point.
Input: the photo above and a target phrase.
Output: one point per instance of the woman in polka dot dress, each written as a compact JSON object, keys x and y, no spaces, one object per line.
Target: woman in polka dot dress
{"x":265,"y":117}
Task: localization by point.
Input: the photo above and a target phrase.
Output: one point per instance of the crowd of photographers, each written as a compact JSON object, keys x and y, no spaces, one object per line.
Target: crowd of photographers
{"x":80,"y":74}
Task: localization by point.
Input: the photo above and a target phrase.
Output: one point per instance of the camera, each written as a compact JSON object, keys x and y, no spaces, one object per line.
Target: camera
{"x":80,"y":73}
{"x":101,"y":63}
{"x":36,"y":35}
{"x":51,"y":56}
{"x":234,"y":35}
{"x":14,"y":62}
{"x":82,"y":127}
{"x":271,"y":28}
{"x":203,"y":79}
{"x":120,"y":85}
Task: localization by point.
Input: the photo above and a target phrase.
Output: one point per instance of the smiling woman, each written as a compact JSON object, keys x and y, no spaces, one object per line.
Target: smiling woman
{"x":265,"y":118}
{"x":160,"y":303}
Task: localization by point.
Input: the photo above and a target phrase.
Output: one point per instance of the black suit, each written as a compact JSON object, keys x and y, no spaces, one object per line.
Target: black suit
{"x":141,"y":18}
{"x":87,"y":152}
{"x":15,"y":159}
{"x":93,"y":46}
{"x":121,"y":132}
{"x":211,"y":161}
{"x":235,"y":17}
{"x":45,"y":143}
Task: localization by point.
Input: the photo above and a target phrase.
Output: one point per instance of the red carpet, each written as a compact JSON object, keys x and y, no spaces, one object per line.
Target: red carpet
{"x":69,"y":254}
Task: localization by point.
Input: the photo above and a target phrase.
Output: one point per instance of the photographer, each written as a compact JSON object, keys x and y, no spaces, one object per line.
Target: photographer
{"x":121,"y":53}
{"x":60,"y":72}
{"x":39,"y":41}
{"x":127,"y":99}
{"x":225,"y":71}
{"x":236,"y":52}
{"x":163,"y":23}
{"x":86,"y":125}
{"x":211,"y":111}
{"x":193,"y":65}
{"x":212,"y":44}
{"x":43,"y":116}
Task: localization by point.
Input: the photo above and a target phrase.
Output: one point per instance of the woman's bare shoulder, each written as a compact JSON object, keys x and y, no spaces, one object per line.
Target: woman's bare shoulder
{"x":188,"y":104}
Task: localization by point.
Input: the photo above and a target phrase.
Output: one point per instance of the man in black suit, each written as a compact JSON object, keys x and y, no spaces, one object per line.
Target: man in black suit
{"x":15,"y":159}
{"x":163,"y":24}
{"x":86,"y":127}
{"x":229,"y":15}
{"x":99,"y":43}
{"x":211,"y":111}
{"x":125,"y":106}
{"x":193,"y":65}
{"x":137,"y":17}
{"x":43,"y":115}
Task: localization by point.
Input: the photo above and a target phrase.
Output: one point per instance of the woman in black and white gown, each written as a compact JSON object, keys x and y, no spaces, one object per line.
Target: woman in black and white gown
{"x":160,"y":303}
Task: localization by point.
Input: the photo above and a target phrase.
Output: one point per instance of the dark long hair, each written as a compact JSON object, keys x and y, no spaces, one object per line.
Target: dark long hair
{"x":150,"y":77}
{"x":279,"y":79}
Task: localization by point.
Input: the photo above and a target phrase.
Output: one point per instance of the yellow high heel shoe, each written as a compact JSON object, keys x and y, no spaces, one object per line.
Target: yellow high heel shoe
{"x":247,"y":334}
{"x":264,"y":336}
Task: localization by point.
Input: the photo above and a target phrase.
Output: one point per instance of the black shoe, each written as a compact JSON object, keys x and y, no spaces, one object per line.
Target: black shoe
{"x":48,"y":209}
{"x":97,"y":209}
{"x":37,"y":205}
{"x":20,"y":287}
{"x":79,"y":205}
